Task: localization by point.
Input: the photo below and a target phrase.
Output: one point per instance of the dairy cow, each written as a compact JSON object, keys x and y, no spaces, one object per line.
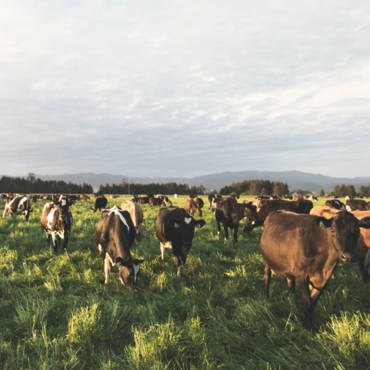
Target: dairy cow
{"x":114,"y":236}
{"x":194,"y":206}
{"x":56,"y":221}
{"x":305,"y":249}
{"x":174,"y":228}
{"x":100,"y":203}
{"x":18,"y":205}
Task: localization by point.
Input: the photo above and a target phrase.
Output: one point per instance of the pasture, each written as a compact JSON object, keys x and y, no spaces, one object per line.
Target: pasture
{"x":56,"y":313}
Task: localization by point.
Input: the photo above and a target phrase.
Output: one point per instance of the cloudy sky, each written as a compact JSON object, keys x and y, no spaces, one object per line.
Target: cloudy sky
{"x":168,"y":88}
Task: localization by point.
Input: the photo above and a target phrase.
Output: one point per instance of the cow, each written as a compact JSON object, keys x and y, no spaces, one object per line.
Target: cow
{"x":335,"y":203}
{"x":100,"y":203}
{"x":18,"y":205}
{"x":213,"y":200}
{"x":363,"y":246}
{"x":265,"y":207}
{"x":165,"y":200}
{"x":137,"y":216}
{"x":229,"y":213}
{"x":324,"y":211}
{"x":114,"y":235}
{"x":56,"y":221}
{"x":174,"y":228}
{"x":356,"y":204}
{"x":144,"y":199}
{"x":305,"y":249}
{"x":194,"y":206}
{"x":153,"y":201}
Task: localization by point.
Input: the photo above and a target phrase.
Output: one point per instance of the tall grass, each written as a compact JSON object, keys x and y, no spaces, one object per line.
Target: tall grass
{"x":55,"y":311}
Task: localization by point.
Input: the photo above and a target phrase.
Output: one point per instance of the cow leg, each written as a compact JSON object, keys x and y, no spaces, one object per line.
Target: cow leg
{"x":361,"y":265}
{"x":303,"y":288}
{"x":66,"y":239}
{"x":162,"y":252}
{"x":218,"y":228}
{"x":226,"y":232}
{"x":54,"y":240}
{"x":291,"y":283}
{"x":179,"y":265}
{"x":236,"y":227}
{"x":106,"y":269}
{"x":267,"y":279}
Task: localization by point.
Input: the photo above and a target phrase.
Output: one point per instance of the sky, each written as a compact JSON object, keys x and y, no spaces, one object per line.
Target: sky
{"x":184,"y":88}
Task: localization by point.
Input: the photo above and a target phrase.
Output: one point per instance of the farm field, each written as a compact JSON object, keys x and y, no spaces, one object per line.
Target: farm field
{"x":55,"y":311}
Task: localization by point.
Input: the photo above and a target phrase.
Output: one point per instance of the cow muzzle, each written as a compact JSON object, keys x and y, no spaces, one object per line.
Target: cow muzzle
{"x":346,"y":257}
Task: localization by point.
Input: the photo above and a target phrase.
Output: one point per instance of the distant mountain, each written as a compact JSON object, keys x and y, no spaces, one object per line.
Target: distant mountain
{"x":295,"y":179}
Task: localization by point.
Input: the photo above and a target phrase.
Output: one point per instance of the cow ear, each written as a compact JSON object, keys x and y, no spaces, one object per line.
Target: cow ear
{"x":199,"y":223}
{"x":324,"y":223}
{"x":364,"y":222}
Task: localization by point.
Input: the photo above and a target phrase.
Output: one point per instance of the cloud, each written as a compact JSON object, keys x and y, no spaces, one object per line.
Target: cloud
{"x":184,"y":88}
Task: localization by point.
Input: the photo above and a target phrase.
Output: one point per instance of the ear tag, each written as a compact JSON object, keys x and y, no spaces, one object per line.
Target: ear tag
{"x":187,"y":220}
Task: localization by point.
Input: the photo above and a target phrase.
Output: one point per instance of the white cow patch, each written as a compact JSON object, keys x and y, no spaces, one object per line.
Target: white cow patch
{"x":50,"y":218}
{"x":116,"y":210}
{"x":64,"y":202}
{"x":100,"y":248}
{"x":187,"y":220}
{"x":136,"y":268}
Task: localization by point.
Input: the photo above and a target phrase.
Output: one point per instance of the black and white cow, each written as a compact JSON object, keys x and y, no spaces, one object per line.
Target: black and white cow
{"x":114,"y":235}
{"x":18,"y":205}
{"x":56,"y":221}
{"x":174,"y":228}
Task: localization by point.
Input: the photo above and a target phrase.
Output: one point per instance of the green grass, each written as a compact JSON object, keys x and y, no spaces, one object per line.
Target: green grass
{"x":56,"y":313}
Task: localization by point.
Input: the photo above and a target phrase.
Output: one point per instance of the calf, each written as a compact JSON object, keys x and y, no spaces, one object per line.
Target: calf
{"x":305,"y":249}
{"x":137,"y":216}
{"x":18,"y":205}
{"x":56,"y":221}
{"x":194,"y":206}
{"x":174,"y":228}
{"x":114,"y":236}
{"x":229,"y":213}
{"x":100,"y":203}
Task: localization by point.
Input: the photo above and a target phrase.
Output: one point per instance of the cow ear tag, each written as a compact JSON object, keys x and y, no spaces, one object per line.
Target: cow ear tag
{"x":187,"y":220}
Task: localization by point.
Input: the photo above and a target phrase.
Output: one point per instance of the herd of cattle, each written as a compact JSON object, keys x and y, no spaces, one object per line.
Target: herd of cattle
{"x":299,"y":242}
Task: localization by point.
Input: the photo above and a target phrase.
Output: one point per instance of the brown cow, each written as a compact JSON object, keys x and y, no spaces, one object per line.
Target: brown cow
{"x":363,"y":246}
{"x":265,"y":207}
{"x":194,"y":206}
{"x":356,"y":205}
{"x":137,"y":216}
{"x":324,"y":211}
{"x":305,"y":249}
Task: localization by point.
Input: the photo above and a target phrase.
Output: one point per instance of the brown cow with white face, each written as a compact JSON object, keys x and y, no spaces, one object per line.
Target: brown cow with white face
{"x":305,"y":249}
{"x":137,"y":216}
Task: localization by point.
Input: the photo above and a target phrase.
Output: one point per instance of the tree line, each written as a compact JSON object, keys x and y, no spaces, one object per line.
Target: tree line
{"x":152,"y":188}
{"x":343,"y":190}
{"x":31,"y":184}
{"x":256,"y":187}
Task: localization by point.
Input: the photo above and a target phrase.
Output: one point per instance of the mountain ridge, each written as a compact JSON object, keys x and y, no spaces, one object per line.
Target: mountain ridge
{"x":295,"y":179}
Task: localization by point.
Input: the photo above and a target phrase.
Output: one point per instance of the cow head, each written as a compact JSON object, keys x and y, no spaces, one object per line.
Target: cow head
{"x":128,"y":271}
{"x":250,"y":213}
{"x":345,"y":230}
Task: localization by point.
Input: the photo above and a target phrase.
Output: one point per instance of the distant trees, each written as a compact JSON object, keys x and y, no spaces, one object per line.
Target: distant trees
{"x":256,"y":187}
{"x":31,"y":184}
{"x":153,"y":188}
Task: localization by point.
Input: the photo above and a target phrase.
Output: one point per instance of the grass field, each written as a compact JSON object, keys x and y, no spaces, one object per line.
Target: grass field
{"x":56,"y":313}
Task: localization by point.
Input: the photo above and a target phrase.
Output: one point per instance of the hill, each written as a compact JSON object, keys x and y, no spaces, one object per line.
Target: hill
{"x":295,"y":179}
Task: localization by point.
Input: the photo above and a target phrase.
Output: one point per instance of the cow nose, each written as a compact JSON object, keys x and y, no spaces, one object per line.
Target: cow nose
{"x":346,"y":257}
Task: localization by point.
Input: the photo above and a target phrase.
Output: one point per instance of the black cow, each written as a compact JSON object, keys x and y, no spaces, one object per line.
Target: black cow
{"x":18,"y":205}
{"x":335,"y":203}
{"x":213,"y":200}
{"x":305,"y":249}
{"x":114,"y":236}
{"x":100,"y":203}
{"x":229,"y":213}
{"x":56,"y":221}
{"x":174,"y":228}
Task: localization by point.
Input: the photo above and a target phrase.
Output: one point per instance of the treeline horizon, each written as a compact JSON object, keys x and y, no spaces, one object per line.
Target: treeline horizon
{"x":32,"y":184}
